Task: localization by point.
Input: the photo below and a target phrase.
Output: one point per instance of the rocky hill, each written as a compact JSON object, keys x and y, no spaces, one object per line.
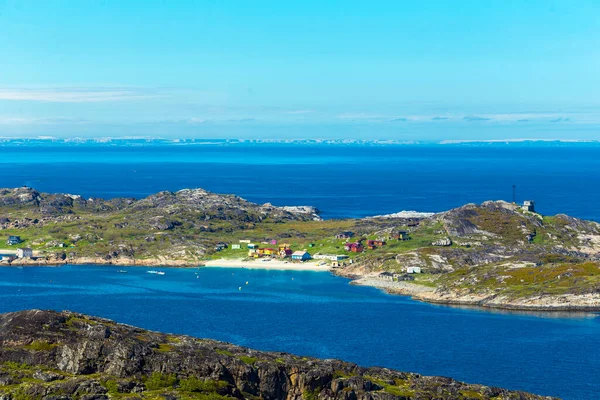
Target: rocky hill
{"x":496,"y":254}
{"x":61,"y":356}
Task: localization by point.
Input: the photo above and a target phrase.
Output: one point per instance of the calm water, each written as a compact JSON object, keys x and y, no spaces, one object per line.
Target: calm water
{"x":317,"y":314}
{"x":341,"y":180}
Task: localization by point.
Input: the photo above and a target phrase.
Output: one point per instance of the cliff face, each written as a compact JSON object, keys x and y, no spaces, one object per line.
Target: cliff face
{"x":61,"y":356}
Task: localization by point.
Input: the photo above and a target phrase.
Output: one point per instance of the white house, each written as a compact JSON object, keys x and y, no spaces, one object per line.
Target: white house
{"x":24,"y":252}
{"x":331,"y":257}
{"x":236,"y":246}
{"x":244,"y":241}
{"x":413,"y":270}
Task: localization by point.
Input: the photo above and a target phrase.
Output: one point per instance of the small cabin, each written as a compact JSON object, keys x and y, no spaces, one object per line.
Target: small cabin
{"x":24,"y":252}
{"x":300,"y":256}
{"x":236,"y":246}
{"x":413,"y":270}
{"x":528,"y":205}
{"x":285,"y":252}
{"x":401,"y":235}
{"x":12,"y":240}
{"x":252,"y":246}
{"x":356,"y":247}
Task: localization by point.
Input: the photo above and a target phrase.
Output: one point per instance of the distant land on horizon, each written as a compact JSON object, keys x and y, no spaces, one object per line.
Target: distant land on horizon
{"x":138,"y":140}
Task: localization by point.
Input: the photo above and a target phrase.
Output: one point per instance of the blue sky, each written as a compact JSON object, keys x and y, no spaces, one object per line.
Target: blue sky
{"x":408,"y":70}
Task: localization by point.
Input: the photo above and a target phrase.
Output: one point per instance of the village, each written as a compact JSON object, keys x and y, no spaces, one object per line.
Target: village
{"x":273,"y":250}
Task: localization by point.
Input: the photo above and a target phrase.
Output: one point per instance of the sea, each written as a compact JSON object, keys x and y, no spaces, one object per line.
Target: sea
{"x":315,"y":313}
{"x":353,"y":180}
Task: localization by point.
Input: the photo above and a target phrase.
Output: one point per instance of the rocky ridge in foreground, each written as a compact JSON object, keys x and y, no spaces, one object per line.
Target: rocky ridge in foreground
{"x":61,"y":356}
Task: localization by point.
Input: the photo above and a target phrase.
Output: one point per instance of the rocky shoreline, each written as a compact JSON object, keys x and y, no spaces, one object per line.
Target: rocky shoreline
{"x":568,"y":302}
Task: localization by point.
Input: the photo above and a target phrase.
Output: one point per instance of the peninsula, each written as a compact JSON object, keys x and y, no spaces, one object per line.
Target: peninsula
{"x":495,"y":254}
{"x":64,"y":355}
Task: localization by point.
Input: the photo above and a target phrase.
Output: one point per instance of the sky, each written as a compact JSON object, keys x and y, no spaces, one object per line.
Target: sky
{"x":404,"y":70}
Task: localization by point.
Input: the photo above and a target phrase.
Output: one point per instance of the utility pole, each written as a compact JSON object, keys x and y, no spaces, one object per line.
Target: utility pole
{"x":514,"y":194}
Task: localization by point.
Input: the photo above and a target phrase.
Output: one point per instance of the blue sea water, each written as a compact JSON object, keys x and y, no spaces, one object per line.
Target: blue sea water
{"x":317,"y":314}
{"x":341,"y":180}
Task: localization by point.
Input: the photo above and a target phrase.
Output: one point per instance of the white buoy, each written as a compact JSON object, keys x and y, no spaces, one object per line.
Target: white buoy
{"x":240,"y":288}
{"x":246,"y":282}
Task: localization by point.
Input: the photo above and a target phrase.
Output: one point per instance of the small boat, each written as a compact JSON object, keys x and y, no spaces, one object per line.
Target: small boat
{"x":121,"y":271}
{"x":153,"y":271}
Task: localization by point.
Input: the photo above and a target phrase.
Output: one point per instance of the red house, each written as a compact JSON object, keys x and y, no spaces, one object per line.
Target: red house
{"x":356,"y":247}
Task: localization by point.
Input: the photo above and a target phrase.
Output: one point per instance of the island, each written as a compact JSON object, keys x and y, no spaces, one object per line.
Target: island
{"x":64,"y":355}
{"x":494,"y":254}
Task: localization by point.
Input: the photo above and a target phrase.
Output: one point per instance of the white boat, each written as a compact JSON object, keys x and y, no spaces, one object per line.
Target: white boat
{"x":153,"y":271}
{"x":121,"y":271}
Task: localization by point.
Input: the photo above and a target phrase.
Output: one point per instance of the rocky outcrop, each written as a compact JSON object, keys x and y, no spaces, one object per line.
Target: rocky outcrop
{"x":50,"y":355}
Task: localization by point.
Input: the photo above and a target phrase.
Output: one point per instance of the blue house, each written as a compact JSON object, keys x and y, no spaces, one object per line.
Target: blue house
{"x":300,"y":256}
{"x":12,"y":240}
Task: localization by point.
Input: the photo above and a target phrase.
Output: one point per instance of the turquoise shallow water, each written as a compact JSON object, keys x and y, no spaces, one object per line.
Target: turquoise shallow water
{"x":317,"y":314}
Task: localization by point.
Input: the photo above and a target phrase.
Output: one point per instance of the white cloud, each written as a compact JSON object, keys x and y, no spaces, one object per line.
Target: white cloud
{"x":72,"y":95}
{"x":41,"y":121}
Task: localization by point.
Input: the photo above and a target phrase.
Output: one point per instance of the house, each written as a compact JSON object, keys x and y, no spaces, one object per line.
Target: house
{"x":7,"y":257}
{"x":246,"y":241}
{"x":24,"y":252}
{"x":283,"y":246}
{"x":300,"y":256}
{"x":220,"y":246}
{"x":373,"y":244}
{"x":403,"y":277}
{"x":528,"y":205}
{"x":332,"y":257}
{"x":356,"y":247}
{"x":254,"y":253}
{"x":386,"y":276}
{"x":344,"y":235}
{"x":267,"y":251}
{"x":442,"y":242}
{"x":401,"y":235}
{"x":413,"y":270}
{"x":284,"y":253}
{"x":236,"y":246}
{"x":12,"y":240}
{"x":252,"y":246}
{"x":273,"y":242}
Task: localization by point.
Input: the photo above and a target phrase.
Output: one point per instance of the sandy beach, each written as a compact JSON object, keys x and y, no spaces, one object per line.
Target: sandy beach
{"x":273,"y":264}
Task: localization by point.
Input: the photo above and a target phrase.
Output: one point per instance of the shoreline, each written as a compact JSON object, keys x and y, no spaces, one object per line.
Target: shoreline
{"x":267,"y":265}
{"x":426,"y":294}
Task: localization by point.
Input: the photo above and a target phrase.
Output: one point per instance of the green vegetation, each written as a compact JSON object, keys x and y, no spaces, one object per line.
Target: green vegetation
{"x":200,"y":385}
{"x":248,"y":359}
{"x":398,"y":387}
{"x":224,"y":352}
{"x":160,"y":381}
{"x":40,"y":346}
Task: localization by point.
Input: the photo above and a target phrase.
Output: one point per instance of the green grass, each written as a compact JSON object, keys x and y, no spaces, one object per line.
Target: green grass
{"x":40,"y":346}
{"x":248,"y":360}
